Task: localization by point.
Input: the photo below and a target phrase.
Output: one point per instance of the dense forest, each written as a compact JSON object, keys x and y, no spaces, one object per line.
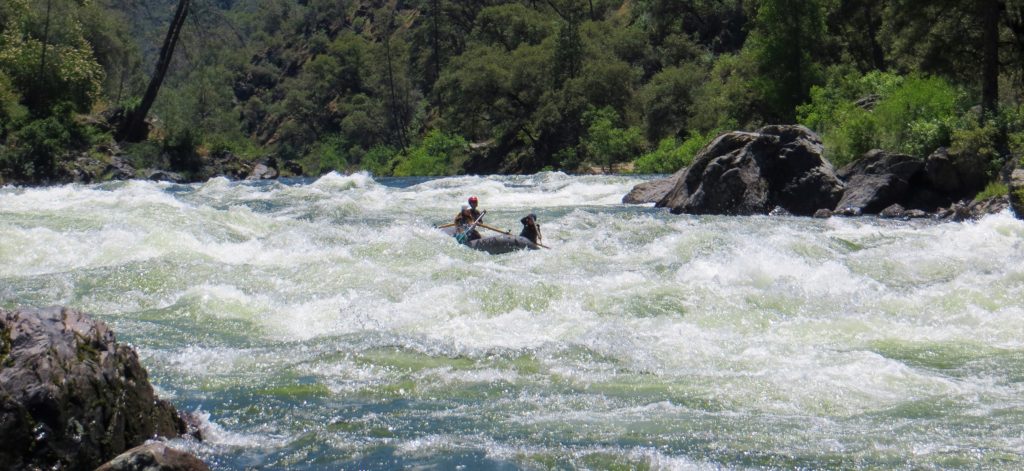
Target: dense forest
{"x":440,"y":87}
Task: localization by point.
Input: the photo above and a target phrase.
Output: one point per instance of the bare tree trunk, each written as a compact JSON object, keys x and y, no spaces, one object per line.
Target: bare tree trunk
{"x":46,"y":39}
{"x":134,"y":128}
{"x":990,"y":64}
{"x":396,"y":114}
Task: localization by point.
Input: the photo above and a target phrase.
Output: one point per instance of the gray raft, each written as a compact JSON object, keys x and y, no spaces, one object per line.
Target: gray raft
{"x":497,"y":244}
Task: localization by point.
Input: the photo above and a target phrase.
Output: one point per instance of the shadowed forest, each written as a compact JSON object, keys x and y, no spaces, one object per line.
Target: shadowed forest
{"x":437,"y":87}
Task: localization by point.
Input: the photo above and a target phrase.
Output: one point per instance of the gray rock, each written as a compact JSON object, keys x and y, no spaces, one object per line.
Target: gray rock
{"x":870,"y":193}
{"x":71,"y":397}
{"x":262,"y":172}
{"x":154,"y":457}
{"x":880,"y":162}
{"x":119,"y":169}
{"x":878,"y":180}
{"x":993,"y":205}
{"x":917,"y":214}
{"x":823,"y":213}
{"x":752,"y":173}
{"x":956,"y":175}
{"x":1016,"y":185}
{"x":652,"y":191}
{"x":894,"y":212}
{"x":165,"y":176}
{"x":847,"y":212}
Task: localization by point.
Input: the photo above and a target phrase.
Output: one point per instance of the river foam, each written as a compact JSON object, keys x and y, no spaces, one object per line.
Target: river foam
{"x":326,"y":324}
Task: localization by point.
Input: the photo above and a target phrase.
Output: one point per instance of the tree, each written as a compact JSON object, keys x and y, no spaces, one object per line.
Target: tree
{"x":785,"y":43}
{"x":134,"y":128}
{"x":955,"y":38}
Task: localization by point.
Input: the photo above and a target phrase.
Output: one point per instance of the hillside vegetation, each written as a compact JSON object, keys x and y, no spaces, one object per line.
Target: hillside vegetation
{"x":436,"y":87}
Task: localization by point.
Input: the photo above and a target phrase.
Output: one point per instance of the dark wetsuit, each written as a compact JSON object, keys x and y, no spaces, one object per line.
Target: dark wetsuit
{"x":530,"y":231}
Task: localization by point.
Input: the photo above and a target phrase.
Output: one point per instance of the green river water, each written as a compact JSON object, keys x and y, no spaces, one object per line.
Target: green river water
{"x":326,"y":325}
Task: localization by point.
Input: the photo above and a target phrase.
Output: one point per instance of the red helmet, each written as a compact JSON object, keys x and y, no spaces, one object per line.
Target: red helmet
{"x":473,"y":201}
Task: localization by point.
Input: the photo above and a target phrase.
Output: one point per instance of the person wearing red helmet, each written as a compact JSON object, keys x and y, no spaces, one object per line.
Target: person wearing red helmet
{"x":473,"y":201}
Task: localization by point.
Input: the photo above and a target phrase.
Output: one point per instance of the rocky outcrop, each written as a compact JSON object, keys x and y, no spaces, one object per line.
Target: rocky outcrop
{"x":881,"y":179}
{"x":154,"y":457}
{"x":71,"y":397}
{"x":1016,"y":187}
{"x":958,"y":175}
{"x":752,"y":173}
{"x":876,"y":181}
{"x":652,"y":191}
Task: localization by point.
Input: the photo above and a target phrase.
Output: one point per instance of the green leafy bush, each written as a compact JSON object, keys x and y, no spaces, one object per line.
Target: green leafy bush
{"x":671,"y":155}
{"x":379,"y":160}
{"x":33,"y":149}
{"x":438,"y":154}
{"x":605,"y":142}
{"x":993,"y":190}
{"x":856,"y":113}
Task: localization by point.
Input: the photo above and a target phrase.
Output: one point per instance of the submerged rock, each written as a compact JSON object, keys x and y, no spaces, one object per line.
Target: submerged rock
{"x":652,"y":191}
{"x":746,"y":173}
{"x":71,"y":397}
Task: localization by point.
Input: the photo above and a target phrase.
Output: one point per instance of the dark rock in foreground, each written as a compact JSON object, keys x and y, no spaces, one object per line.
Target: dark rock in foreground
{"x":154,"y":457}
{"x":71,"y":397}
{"x":743,"y":173}
{"x":652,"y":191}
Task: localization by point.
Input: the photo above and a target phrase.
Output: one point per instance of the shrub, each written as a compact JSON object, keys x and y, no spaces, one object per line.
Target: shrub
{"x":993,"y":190}
{"x":32,"y":153}
{"x":671,"y":155}
{"x":913,"y":115}
{"x":438,"y":154}
{"x":606,"y":143}
{"x":379,"y":160}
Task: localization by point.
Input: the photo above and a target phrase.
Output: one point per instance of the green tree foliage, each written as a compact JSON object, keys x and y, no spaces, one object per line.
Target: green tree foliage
{"x":785,"y":46}
{"x":438,"y":154}
{"x":672,"y":155}
{"x":855,"y":114}
{"x":606,"y":142}
{"x":559,"y":84}
{"x":44,"y":52}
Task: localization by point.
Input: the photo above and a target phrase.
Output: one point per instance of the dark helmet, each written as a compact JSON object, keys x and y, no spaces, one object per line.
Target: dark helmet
{"x":532,"y":216}
{"x":473,"y":201}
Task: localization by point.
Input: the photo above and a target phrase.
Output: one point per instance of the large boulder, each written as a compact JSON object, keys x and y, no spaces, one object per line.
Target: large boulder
{"x":154,"y":457}
{"x":957,"y":175}
{"x":652,"y":191}
{"x":752,"y":173}
{"x":71,"y":397}
{"x":877,"y":181}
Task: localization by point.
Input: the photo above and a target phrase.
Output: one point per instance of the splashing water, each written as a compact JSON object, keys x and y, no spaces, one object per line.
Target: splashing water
{"x":327,"y":325}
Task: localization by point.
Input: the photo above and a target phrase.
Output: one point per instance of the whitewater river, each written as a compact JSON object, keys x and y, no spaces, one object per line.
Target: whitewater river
{"x":325,"y":325}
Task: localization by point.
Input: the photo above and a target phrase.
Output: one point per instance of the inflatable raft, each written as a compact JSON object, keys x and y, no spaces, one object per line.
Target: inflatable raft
{"x":497,"y":244}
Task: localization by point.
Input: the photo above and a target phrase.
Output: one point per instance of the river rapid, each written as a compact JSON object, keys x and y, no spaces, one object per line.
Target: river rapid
{"x":326,"y":325}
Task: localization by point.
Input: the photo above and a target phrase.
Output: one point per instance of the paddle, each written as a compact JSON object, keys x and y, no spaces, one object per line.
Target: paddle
{"x":463,"y":236}
{"x":495,"y":229}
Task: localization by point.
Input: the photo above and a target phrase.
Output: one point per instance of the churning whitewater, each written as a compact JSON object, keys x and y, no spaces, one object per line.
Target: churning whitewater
{"x":327,"y":325}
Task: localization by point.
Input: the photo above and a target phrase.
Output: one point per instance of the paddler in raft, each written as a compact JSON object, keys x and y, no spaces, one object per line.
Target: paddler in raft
{"x":531,"y":230}
{"x":465,"y":221}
